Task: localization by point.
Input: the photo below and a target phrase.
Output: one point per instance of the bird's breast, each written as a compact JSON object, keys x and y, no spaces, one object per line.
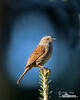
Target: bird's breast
{"x":49,"y":53}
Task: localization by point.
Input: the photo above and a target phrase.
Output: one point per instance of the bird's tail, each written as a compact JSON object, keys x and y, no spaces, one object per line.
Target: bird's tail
{"x":26,"y":69}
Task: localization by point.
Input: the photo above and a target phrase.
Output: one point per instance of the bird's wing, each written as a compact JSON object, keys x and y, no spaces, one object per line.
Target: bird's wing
{"x":40,"y":49}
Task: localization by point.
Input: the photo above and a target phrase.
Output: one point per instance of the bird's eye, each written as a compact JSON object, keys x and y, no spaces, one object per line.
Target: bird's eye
{"x":47,"y":38}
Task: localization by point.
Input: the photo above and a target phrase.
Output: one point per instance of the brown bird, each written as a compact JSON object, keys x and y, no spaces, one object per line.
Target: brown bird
{"x":40,"y":55}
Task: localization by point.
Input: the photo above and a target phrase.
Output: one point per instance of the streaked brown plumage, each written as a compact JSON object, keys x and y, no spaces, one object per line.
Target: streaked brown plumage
{"x":40,"y":55}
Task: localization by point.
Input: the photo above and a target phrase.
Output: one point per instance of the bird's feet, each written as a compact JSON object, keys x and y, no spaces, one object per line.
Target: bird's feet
{"x":41,"y":67}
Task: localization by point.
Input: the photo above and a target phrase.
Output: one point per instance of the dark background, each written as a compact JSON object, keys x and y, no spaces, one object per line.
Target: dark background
{"x":22,"y":24}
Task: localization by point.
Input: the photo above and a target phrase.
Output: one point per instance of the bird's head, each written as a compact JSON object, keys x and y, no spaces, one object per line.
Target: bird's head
{"x":46,"y":40}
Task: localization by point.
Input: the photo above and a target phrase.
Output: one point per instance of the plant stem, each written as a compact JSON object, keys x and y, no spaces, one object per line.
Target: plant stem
{"x":44,"y":73}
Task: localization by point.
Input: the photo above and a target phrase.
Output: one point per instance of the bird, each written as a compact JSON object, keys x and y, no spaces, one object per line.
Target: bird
{"x":40,"y":55}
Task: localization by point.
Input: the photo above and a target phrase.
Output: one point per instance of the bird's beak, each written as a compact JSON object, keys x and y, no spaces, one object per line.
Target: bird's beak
{"x":54,"y":38}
